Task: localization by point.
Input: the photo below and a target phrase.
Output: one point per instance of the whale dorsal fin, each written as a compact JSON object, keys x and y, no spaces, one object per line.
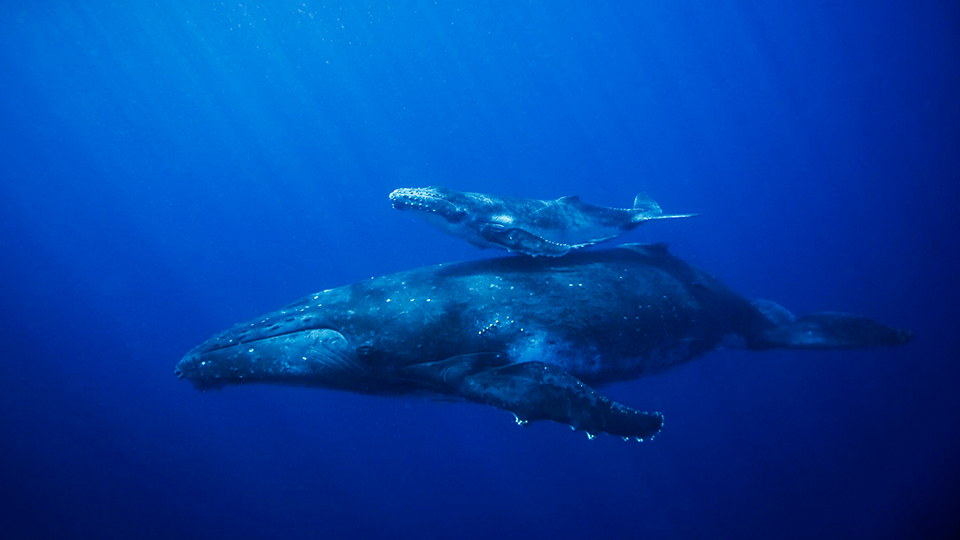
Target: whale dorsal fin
{"x":570,"y":199}
{"x":649,"y":207}
{"x":773,"y":311}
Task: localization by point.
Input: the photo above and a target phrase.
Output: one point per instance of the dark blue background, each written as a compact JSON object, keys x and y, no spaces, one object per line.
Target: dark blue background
{"x":169,"y":169}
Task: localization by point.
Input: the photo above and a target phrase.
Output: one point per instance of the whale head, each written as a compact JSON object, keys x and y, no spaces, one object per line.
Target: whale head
{"x":434,"y":202}
{"x":317,"y":357}
{"x":294,"y":346}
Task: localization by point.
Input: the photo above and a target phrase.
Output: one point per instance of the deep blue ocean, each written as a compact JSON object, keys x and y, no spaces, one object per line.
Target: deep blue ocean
{"x":169,"y":169}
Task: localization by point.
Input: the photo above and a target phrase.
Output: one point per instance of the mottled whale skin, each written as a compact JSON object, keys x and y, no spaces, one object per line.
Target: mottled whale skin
{"x":529,"y":226}
{"x":530,"y":336}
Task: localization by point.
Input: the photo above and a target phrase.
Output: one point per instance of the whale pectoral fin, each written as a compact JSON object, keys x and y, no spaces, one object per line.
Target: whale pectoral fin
{"x":828,"y":330}
{"x":448,"y":374}
{"x":536,"y":391}
{"x":522,"y":241}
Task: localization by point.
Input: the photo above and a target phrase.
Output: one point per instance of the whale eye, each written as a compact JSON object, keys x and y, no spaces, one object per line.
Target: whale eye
{"x":366,"y":351}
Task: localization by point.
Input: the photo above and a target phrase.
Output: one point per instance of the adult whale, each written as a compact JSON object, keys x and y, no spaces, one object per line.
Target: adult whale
{"x":529,"y":226}
{"x":521,"y":334}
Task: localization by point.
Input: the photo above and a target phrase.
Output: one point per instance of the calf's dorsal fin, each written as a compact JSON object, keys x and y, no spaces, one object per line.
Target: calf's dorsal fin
{"x":647,"y":209}
{"x":645,"y":204}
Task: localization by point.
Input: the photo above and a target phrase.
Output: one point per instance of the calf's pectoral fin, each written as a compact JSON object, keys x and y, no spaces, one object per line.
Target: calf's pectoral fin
{"x":522,"y":241}
{"x":536,"y":391}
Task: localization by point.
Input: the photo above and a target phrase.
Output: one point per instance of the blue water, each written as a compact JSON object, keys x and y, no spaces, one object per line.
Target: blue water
{"x":169,"y":169}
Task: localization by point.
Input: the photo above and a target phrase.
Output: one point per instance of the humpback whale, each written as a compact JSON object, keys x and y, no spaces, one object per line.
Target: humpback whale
{"x":528,"y":226}
{"x":532,"y":336}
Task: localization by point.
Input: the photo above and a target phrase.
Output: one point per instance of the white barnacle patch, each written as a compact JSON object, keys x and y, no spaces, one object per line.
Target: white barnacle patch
{"x":250,"y":349}
{"x":496,"y":324}
{"x":489,"y":327}
{"x":505,"y":219}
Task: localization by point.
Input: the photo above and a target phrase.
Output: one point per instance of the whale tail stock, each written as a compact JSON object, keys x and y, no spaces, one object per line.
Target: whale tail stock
{"x":647,"y":209}
{"x":823,"y":330}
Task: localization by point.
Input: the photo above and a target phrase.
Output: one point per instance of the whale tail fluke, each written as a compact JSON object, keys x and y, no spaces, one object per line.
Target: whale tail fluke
{"x":824,"y":330}
{"x":647,"y":209}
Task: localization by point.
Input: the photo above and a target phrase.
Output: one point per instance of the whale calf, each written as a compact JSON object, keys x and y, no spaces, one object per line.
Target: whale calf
{"x":529,"y":226}
{"x":535,"y":337}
